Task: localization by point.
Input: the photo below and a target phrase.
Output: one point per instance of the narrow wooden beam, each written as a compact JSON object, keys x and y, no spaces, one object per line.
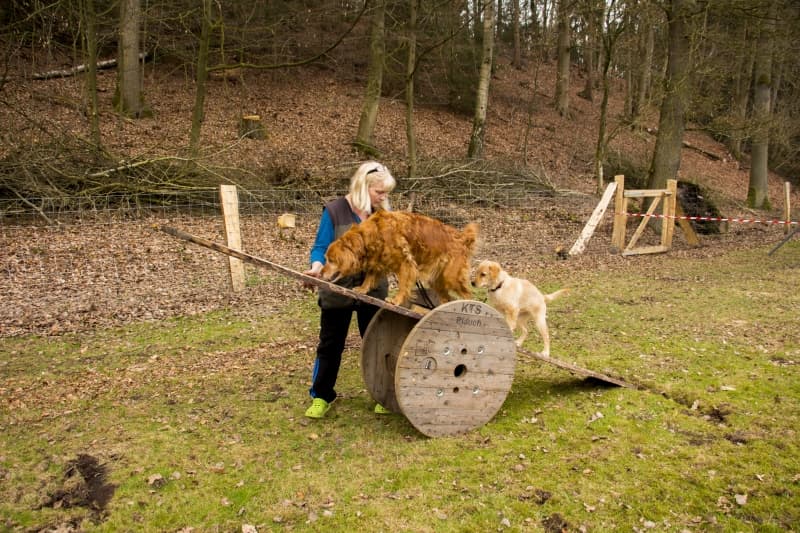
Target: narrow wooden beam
{"x":686,"y":226}
{"x":594,"y":220}
{"x":655,"y":249}
{"x":233,"y":235}
{"x":787,"y":206}
{"x":644,"y":193}
{"x":668,"y":224}
{"x":620,"y":208}
{"x":247,"y":258}
{"x":575,"y":369}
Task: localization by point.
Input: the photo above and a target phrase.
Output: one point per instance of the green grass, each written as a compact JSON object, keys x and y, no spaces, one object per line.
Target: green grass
{"x":213,"y":405}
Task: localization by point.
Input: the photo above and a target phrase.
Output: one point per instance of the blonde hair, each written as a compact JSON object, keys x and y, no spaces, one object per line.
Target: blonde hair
{"x":368,"y":174}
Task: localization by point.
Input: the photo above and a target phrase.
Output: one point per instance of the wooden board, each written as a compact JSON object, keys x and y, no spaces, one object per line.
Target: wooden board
{"x":380,"y":350}
{"x":230,"y":217}
{"x":655,"y":249}
{"x":688,"y":230}
{"x":575,"y":369}
{"x":455,"y":368}
{"x":594,"y":220}
{"x":306,"y":279}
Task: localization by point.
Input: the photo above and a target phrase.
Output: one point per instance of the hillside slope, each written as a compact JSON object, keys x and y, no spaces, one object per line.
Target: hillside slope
{"x":116,"y":270}
{"x":311,"y":116}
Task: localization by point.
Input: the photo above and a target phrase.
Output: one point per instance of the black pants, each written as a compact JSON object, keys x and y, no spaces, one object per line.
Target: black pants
{"x":333,"y":328}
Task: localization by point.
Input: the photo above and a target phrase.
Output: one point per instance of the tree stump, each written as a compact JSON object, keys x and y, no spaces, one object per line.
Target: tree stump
{"x":251,"y":127}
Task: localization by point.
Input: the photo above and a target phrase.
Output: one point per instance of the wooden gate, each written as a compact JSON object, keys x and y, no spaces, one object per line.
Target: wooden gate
{"x":667,"y":198}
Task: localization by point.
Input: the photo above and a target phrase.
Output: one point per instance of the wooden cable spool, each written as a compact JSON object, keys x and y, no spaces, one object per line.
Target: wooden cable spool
{"x":448,"y":372}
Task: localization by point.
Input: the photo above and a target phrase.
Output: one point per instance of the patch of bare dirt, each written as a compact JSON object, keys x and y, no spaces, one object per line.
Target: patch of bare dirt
{"x":84,"y":485}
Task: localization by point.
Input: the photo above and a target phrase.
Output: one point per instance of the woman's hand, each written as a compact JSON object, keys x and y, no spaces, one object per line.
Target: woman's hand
{"x":314,"y":272}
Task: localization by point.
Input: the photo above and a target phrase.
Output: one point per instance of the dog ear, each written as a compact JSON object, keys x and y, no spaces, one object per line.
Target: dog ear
{"x":341,"y":254}
{"x":371,"y":238}
{"x":356,"y":240}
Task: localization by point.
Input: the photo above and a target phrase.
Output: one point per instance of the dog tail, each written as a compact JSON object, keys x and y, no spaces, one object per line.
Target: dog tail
{"x":553,"y":295}
{"x":469,"y":235}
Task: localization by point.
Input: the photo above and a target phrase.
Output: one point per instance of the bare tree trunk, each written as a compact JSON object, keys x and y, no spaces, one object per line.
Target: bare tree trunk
{"x":667,"y":153}
{"x":201,"y":76}
{"x":646,"y":51}
{"x":758,"y":189}
{"x":602,"y":143}
{"x":741,"y":91}
{"x":369,"y":110}
{"x":476,"y":18}
{"x":630,"y":83}
{"x":90,"y":40}
{"x":410,"y":67}
{"x":475,"y":150}
{"x":562,"y":51}
{"x":546,"y":6}
{"x":590,"y":48}
{"x":498,"y":19}
{"x":609,"y":39}
{"x":129,"y":99}
{"x":516,"y":62}
{"x":777,"y":75}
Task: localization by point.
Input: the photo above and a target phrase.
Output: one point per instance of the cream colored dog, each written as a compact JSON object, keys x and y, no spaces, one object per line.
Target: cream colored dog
{"x":518,"y":299}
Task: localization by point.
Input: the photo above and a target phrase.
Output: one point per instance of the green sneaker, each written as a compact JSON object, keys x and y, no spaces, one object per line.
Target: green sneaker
{"x":318,"y":408}
{"x":381,"y":410}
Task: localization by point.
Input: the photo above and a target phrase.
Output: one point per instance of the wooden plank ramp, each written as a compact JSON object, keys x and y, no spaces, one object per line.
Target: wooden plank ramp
{"x":253,"y":260}
{"x":575,"y":369}
{"x":248,"y":258}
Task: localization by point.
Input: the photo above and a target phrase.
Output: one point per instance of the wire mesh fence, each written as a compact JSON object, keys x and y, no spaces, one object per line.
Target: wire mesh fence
{"x":96,"y":262}
{"x":206,"y":202}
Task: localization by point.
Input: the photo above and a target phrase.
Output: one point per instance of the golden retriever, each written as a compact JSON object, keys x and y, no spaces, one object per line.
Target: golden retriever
{"x":518,"y":299}
{"x":411,"y":246}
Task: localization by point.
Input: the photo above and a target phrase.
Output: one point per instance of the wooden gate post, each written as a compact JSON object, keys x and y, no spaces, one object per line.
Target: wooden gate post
{"x":620,"y":214}
{"x":668,"y":222}
{"x":787,"y":206}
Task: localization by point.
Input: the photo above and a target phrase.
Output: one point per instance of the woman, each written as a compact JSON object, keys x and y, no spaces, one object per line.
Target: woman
{"x":370,"y":186}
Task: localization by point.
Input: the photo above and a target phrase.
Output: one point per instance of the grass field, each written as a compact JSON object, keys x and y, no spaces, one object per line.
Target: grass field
{"x":196,"y":424}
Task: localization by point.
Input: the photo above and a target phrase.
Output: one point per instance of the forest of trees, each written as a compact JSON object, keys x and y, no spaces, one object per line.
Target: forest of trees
{"x":729,"y":67}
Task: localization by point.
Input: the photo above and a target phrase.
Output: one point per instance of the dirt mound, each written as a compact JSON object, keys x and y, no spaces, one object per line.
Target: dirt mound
{"x":84,"y":485}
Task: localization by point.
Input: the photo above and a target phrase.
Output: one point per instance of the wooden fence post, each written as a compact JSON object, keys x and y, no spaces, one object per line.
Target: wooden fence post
{"x":230,"y":217}
{"x":620,"y":208}
{"x":787,"y":205}
{"x":668,"y":224}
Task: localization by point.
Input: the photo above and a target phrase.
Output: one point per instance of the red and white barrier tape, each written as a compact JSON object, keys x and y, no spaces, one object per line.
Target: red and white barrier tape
{"x":716,"y":219}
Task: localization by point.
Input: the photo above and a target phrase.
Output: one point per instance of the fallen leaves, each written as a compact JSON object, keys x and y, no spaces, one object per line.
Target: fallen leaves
{"x":156,"y":480}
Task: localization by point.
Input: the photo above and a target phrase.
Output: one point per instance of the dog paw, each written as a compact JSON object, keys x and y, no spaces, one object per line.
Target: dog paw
{"x":394,"y":300}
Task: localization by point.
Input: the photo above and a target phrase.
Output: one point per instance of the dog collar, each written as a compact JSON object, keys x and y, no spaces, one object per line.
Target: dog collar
{"x":497,"y":288}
